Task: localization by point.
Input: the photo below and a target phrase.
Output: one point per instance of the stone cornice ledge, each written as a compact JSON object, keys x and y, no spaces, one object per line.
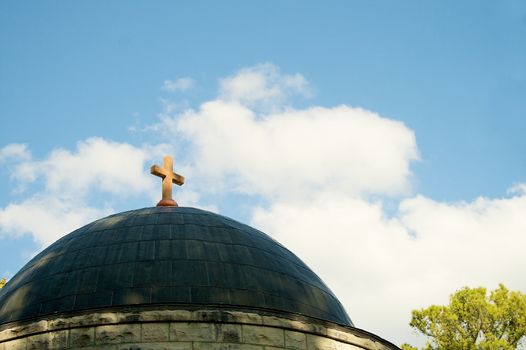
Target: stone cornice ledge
{"x":349,"y":335}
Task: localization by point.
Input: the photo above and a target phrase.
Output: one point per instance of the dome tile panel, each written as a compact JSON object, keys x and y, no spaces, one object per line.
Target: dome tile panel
{"x":167,"y":256}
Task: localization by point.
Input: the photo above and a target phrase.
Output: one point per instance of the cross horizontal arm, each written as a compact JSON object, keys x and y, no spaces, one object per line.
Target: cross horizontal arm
{"x":162,"y":172}
{"x":158,"y":171}
{"x":178,"y":179}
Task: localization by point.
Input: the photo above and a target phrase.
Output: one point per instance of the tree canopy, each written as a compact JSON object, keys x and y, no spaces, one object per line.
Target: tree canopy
{"x":2,"y":282}
{"x":474,"y":320}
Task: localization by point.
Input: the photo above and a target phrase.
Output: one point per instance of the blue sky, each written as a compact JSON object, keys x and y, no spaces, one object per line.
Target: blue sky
{"x":445,"y":69}
{"x":452,"y":74}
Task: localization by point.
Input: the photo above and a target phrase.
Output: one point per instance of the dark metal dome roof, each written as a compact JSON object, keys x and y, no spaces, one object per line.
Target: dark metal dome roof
{"x":167,"y":256}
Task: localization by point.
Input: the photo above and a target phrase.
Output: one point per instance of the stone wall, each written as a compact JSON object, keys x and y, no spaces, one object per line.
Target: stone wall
{"x":185,"y":330}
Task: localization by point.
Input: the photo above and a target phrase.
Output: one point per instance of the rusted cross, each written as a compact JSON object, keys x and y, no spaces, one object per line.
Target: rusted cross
{"x":169,"y":177}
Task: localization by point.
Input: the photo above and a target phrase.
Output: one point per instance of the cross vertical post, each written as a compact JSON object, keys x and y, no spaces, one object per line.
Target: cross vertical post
{"x":169,"y":177}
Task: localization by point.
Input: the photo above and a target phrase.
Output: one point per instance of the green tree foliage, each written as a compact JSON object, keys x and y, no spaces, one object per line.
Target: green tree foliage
{"x":474,"y":320}
{"x":2,"y":282}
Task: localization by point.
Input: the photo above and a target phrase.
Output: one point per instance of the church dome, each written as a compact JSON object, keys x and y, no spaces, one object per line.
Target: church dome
{"x":170,"y":257}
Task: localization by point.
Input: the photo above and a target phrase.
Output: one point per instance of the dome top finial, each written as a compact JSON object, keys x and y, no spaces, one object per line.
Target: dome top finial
{"x":169,"y":177}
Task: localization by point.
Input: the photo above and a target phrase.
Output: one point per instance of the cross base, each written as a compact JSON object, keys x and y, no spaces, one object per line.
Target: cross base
{"x":167,"y":203}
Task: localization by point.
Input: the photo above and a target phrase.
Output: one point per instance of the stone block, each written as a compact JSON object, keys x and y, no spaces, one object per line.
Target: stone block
{"x":225,"y":346}
{"x":84,"y":320}
{"x":192,"y":331}
{"x":79,"y":337}
{"x":275,"y":321}
{"x":17,"y":344}
{"x":315,"y":342}
{"x":245,"y":317}
{"x":108,"y":317}
{"x":155,"y":332}
{"x":45,"y":341}
{"x":61,"y":323}
{"x":263,"y":335}
{"x":165,"y":315}
{"x":295,"y":340}
{"x":58,"y":323}
{"x":99,"y":347}
{"x":210,"y":316}
{"x":348,"y":336}
{"x":157,"y":346}
{"x":344,"y":346}
{"x":31,"y":328}
{"x":121,"y":333}
{"x":228,"y":333}
{"x":379,"y":346}
{"x":184,"y":315}
{"x":308,"y":327}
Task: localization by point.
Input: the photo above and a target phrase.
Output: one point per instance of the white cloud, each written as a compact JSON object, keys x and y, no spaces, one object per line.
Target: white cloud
{"x":382,"y":268}
{"x":14,"y":151}
{"x":298,"y":152}
{"x":482,"y":240}
{"x":517,"y":189}
{"x":111,"y":167}
{"x":47,"y":217}
{"x":16,"y":156}
{"x":75,"y":183}
{"x":181,"y":84}
{"x":262,"y":84}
